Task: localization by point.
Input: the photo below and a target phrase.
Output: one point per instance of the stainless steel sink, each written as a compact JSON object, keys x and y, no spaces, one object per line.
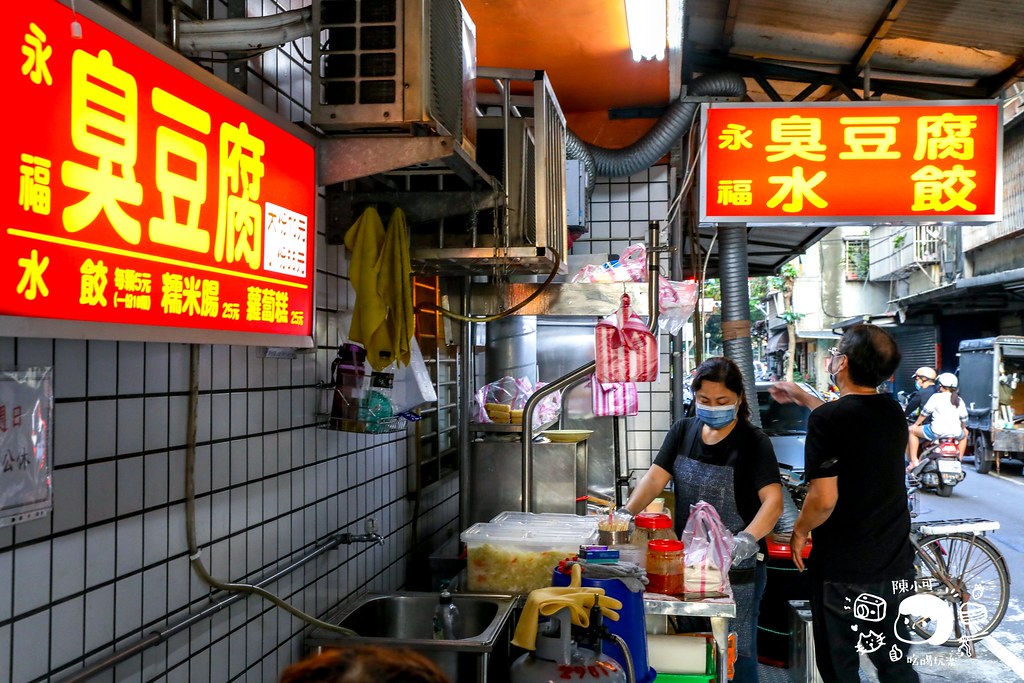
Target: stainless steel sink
{"x":406,"y":619}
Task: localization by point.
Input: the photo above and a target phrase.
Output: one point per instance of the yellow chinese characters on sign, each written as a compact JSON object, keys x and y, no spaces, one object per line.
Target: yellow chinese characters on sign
{"x":796,"y":136}
{"x":851,"y":161}
{"x":869,"y":137}
{"x":104,"y":125}
{"x":239,"y":225}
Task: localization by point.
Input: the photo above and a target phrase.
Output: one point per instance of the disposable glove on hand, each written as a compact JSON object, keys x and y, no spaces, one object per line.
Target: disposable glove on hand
{"x":744,"y":545}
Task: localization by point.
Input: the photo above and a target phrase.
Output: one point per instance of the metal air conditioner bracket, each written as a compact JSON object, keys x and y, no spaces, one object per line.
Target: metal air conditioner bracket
{"x":340,"y":158}
{"x":481,"y":260}
{"x":344,"y":206}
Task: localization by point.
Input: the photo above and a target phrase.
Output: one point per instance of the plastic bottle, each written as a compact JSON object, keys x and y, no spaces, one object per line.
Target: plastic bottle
{"x":447,"y":620}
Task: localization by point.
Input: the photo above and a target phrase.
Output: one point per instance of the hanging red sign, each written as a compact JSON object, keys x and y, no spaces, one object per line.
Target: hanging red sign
{"x":857,"y":162}
{"x":140,"y":194}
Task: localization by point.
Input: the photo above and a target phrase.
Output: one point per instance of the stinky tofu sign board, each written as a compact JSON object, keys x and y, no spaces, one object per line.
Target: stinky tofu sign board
{"x":143,"y":198}
{"x":857,"y":162}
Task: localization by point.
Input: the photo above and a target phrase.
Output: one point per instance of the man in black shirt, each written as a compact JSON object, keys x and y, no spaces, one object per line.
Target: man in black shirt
{"x":861,"y":562}
{"x":924,"y":382}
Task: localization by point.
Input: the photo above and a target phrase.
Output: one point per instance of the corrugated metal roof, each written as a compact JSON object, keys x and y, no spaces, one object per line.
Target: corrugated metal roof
{"x":991,"y":25}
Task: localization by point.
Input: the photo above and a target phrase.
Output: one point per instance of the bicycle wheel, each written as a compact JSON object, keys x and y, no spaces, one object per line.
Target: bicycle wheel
{"x":971,"y":578}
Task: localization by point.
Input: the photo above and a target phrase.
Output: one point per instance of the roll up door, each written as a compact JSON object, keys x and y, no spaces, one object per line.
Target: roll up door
{"x":918,"y":346}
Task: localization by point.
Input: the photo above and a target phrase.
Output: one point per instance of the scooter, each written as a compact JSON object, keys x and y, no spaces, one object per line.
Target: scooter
{"x":940,"y":468}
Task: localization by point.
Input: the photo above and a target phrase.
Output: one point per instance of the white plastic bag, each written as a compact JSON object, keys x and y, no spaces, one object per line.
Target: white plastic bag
{"x":676,"y":301}
{"x":412,"y":387}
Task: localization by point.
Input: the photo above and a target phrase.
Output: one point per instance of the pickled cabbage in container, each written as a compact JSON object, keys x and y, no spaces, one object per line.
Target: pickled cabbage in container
{"x":520,"y":557}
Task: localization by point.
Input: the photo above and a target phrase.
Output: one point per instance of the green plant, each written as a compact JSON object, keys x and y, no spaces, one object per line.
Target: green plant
{"x":791,"y":317}
{"x":898,"y":240}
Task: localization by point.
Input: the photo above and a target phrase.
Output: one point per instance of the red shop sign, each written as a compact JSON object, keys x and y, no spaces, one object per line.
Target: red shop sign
{"x":144,"y":199}
{"x":860,"y":162}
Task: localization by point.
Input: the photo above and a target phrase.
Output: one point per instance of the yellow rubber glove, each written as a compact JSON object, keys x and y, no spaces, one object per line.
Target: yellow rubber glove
{"x":547,"y":601}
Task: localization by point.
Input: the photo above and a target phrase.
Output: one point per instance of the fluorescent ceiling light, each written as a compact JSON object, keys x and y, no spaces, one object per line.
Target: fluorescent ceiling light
{"x":646,"y":21}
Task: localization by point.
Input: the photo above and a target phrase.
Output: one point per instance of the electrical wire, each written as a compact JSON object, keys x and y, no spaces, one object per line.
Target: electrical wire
{"x":685,"y":186}
{"x":507,"y":312}
{"x":190,"y":517}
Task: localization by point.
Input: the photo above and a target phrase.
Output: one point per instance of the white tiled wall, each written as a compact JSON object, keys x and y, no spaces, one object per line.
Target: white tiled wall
{"x":110,"y":565}
{"x":620,"y":210}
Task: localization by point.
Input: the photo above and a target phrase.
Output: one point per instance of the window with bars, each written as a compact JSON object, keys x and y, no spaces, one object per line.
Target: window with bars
{"x":436,"y":445}
{"x":856,"y":259}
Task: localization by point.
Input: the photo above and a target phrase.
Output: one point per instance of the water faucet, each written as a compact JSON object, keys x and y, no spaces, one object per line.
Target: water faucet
{"x":371,"y":535}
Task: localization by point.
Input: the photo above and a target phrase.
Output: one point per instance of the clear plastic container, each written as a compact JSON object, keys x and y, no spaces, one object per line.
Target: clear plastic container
{"x":517,"y":557}
{"x":665,"y":566}
{"x":534,"y":519}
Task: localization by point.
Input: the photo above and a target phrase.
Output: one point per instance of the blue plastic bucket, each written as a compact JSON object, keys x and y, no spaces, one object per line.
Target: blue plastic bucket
{"x":630,"y":626}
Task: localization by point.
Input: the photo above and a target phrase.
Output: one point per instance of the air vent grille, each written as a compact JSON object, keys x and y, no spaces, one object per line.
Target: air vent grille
{"x":360,"y":52}
{"x":383,"y":65}
{"x":446,"y":64}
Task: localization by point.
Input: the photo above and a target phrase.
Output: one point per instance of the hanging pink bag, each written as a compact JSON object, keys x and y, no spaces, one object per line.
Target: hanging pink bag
{"x":625,"y":350}
{"x":614,"y":399}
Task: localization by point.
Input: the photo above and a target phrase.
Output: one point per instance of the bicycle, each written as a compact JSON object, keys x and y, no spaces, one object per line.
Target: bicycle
{"x":957,"y":564}
{"x":953,"y":562}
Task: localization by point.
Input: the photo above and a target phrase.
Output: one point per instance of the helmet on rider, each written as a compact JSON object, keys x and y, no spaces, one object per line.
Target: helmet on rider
{"x":947,"y":380}
{"x":925,"y":372}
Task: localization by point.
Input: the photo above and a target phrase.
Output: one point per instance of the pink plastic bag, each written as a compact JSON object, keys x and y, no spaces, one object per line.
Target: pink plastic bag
{"x":614,"y":399}
{"x":624,"y":349}
{"x":708,"y":553}
{"x":630,"y":267}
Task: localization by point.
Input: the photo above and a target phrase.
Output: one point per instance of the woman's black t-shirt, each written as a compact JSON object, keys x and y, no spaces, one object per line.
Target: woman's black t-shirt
{"x":747,"y":450}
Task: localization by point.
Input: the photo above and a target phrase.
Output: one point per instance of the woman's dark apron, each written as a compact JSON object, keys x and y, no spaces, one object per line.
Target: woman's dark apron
{"x":696,"y":481}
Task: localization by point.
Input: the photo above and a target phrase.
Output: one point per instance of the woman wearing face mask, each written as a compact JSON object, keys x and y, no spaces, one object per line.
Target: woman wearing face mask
{"x":719,"y":457}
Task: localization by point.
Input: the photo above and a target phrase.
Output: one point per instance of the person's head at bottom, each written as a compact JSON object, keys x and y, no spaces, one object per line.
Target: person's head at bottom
{"x":364,"y":664}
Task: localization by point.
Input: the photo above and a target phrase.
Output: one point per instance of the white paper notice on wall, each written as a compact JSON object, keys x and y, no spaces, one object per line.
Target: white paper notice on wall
{"x":26,"y":422}
{"x":284,"y":250}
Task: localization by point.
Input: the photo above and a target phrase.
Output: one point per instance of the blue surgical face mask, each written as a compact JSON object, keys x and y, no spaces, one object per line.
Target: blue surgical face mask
{"x":716,"y":417}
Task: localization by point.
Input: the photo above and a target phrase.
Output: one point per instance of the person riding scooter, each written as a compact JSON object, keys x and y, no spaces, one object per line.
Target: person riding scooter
{"x":948,"y":415}
{"x":924,"y":383}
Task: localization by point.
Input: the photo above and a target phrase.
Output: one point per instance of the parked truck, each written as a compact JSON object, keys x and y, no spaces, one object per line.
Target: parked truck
{"x":992,"y":383}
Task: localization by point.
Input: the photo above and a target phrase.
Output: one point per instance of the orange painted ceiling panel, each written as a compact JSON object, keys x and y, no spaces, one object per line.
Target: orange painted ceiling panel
{"x":584,"y":48}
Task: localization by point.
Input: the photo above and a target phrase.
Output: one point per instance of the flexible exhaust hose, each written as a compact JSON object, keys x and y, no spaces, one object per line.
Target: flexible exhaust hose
{"x":658,"y":141}
{"x":734,"y":270}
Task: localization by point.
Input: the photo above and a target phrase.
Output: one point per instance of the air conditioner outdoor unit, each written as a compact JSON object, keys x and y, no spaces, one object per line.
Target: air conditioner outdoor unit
{"x":394,"y":66}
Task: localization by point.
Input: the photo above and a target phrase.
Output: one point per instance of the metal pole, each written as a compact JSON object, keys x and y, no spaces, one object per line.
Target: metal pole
{"x":466,"y":381}
{"x":157,"y":637}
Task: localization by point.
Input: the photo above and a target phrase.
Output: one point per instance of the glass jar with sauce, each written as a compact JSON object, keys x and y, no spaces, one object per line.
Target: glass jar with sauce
{"x":651,"y":526}
{"x":665,"y":566}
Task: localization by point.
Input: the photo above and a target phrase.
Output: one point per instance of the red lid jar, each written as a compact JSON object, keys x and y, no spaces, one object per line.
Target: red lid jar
{"x":653,"y":520}
{"x":651,"y":526}
{"x":665,"y":566}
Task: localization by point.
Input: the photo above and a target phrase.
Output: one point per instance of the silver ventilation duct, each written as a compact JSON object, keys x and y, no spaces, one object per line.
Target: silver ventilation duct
{"x":659,"y":140}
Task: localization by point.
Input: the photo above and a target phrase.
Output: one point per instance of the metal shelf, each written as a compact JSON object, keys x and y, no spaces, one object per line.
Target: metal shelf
{"x":507,"y":428}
